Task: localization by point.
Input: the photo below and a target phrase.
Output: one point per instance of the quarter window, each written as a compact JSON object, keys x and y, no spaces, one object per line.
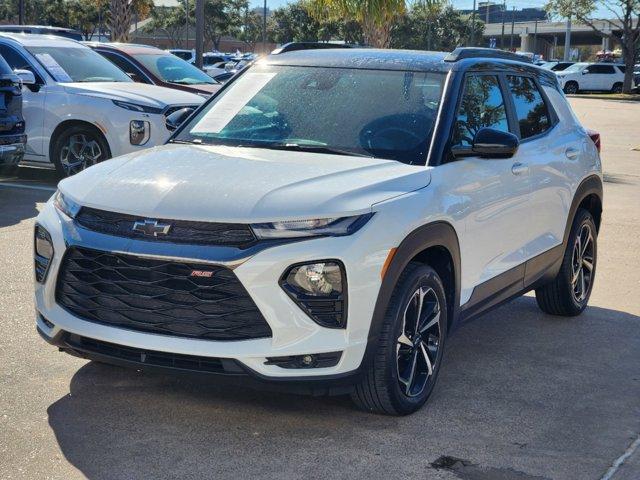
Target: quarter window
{"x":604,"y":69}
{"x":482,"y":106}
{"x":531,"y":111}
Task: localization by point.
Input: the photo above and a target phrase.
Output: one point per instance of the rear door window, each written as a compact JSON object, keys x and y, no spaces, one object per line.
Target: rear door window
{"x":601,"y":69}
{"x":530,"y":108}
{"x":482,"y":105}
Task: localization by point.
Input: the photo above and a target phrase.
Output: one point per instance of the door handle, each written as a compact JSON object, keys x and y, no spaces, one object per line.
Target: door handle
{"x":571,"y":153}
{"x":519,"y":168}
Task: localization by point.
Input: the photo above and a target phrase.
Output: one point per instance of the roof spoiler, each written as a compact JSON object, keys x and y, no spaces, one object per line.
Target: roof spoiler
{"x":461,"y":53}
{"x":295,"y":46}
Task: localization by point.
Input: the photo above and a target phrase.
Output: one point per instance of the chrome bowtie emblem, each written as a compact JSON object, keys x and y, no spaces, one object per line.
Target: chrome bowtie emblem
{"x":151,"y":227}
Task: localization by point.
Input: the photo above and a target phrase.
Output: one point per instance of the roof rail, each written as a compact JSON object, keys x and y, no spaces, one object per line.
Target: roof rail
{"x":461,"y":53}
{"x":294,"y":46}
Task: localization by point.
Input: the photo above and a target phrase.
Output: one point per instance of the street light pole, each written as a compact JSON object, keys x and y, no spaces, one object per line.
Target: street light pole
{"x":535,"y":39}
{"x":199,"y":32}
{"x":186,"y":24}
{"x":504,"y":7}
{"x":513,"y":24}
{"x":21,"y":12}
{"x":473,"y":24}
{"x":567,"y":40}
{"x":264,"y":27}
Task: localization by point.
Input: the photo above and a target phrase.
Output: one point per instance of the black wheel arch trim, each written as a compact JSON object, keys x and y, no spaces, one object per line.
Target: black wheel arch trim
{"x":437,"y":234}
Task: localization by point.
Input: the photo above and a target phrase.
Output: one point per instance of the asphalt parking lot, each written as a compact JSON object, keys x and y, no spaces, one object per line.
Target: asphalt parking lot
{"x":521,"y":395}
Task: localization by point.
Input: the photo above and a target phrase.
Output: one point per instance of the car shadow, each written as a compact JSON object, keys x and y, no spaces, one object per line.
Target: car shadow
{"x":515,"y":383}
{"x":18,"y":205}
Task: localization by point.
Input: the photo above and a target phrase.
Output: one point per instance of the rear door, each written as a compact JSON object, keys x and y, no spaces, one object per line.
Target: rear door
{"x":604,"y":76}
{"x":549,"y":150}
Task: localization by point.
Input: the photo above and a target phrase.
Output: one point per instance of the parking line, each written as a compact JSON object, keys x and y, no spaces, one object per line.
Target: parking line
{"x":621,"y":459}
{"x":27,"y":186}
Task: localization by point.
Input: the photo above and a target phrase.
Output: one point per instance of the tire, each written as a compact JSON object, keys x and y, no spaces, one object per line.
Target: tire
{"x":567,"y":295}
{"x":571,"y":88}
{"x":388,"y":386}
{"x":78,"y":147}
{"x":617,"y":88}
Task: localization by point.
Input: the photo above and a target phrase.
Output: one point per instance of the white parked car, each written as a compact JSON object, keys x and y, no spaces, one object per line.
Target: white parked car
{"x":326,"y":221}
{"x":81,"y":109}
{"x":592,"y":77}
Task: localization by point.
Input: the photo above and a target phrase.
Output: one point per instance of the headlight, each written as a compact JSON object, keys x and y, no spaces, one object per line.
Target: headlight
{"x":328,"y":227}
{"x":43,"y":252}
{"x":134,"y":107}
{"x":139,"y":132}
{"x":320,"y":289}
{"x":66,"y":205}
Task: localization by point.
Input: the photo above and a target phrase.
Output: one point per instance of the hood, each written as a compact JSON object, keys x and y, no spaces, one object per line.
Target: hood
{"x":140,"y":93}
{"x":229,"y":184}
{"x":201,"y":88}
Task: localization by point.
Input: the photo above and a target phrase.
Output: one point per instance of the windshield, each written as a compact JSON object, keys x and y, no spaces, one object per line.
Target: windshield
{"x":173,"y":69}
{"x":384,"y":114}
{"x":576,"y":67}
{"x":77,"y":64}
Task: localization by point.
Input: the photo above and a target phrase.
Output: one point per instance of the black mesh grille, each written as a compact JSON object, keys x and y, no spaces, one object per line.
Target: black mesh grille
{"x":180,"y":231}
{"x":158,"y":296}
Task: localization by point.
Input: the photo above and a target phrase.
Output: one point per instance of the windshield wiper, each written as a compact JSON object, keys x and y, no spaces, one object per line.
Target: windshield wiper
{"x":313,"y":148}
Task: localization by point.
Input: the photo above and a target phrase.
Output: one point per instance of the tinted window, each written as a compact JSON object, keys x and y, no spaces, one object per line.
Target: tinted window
{"x":531,"y":111}
{"x":622,"y":68}
{"x":16,"y":61}
{"x":125,"y":65}
{"x":601,"y":69}
{"x":482,"y":106}
{"x":384,"y":114}
{"x":172,"y":69}
{"x":183,"y":55}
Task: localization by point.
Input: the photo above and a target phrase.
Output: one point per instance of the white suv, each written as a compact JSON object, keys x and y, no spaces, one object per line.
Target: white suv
{"x":326,"y":221}
{"x":81,"y":109}
{"x":592,"y":77}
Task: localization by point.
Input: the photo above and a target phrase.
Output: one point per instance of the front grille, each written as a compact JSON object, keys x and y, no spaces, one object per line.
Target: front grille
{"x":180,"y":231}
{"x":158,"y":296}
{"x":154,"y":358}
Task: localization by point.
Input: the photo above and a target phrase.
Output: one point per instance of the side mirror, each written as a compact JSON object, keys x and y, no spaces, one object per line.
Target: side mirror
{"x":27,"y":76}
{"x":177,"y":118}
{"x":492,"y":143}
{"x":585,"y":71}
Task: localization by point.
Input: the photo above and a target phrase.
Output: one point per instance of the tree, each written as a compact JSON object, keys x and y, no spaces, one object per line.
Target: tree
{"x":251,"y":32}
{"x":120,"y":20}
{"x":170,"y":20}
{"x":84,"y":15}
{"x":434,"y":26}
{"x":376,"y":17}
{"x":624,"y":12}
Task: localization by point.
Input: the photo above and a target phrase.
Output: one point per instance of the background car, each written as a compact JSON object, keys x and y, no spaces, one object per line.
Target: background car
{"x":151,"y":65}
{"x":12,"y":137}
{"x":592,"y":77}
{"x":557,"y":66}
{"x":93,"y":110}
{"x":43,"y":30}
{"x":187,"y":55}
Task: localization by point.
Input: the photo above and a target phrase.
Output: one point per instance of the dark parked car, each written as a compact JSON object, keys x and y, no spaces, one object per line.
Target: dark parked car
{"x":557,"y":66}
{"x":151,"y":65}
{"x":12,"y":136}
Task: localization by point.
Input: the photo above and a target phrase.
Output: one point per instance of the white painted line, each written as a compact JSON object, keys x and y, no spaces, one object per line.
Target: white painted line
{"x":621,"y":459}
{"x":28,"y":186}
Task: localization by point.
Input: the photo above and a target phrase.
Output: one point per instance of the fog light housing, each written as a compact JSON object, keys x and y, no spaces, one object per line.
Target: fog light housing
{"x":139,"y":132}
{"x":309,"y":360}
{"x":43,"y":253}
{"x":320,"y":289}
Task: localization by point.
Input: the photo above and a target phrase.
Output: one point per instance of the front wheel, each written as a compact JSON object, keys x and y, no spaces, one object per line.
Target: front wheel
{"x":568,"y":294}
{"x":571,"y":88}
{"x":407,"y":360}
{"x":77,"y":148}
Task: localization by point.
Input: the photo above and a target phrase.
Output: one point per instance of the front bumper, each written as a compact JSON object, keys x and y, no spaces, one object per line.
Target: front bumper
{"x":294,"y":333}
{"x":12,"y":149}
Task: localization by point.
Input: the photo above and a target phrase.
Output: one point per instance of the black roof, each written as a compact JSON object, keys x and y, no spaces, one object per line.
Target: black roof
{"x":407,"y":60}
{"x":370,"y":58}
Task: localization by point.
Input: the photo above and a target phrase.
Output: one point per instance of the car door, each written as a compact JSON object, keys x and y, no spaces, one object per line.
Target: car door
{"x":590,"y":79}
{"x":550,"y":151}
{"x":33,"y":104}
{"x":495,"y":190}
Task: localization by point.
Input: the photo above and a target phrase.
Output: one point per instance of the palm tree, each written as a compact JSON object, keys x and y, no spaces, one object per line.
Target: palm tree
{"x":375,"y":16}
{"x":120,"y":20}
